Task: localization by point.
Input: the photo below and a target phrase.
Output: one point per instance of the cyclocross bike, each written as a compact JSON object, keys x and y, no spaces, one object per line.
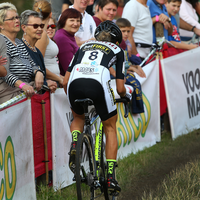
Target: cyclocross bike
{"x":90,"y":171}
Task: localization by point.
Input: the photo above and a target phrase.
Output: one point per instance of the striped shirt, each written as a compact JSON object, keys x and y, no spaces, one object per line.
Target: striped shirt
{"x":22,"y":66}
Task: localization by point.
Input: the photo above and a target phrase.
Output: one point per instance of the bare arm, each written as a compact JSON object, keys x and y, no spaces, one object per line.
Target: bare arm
{"x":50,"y":75}
{"x":121,"y":90}
{"x":131,"y":40}
{"x":183,"y":45}
{"x":3,"y":71}
{"x":42,"y":43}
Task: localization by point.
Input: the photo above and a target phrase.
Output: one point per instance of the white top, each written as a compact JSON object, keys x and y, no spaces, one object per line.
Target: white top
{"x":140,"y":18}
{"x":50,"y":60}
{"x":87,"y":28}
{"x":188,"y":14}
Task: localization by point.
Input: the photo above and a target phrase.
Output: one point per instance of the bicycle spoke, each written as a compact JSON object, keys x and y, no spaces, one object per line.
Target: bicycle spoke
{"x":84,"y":169}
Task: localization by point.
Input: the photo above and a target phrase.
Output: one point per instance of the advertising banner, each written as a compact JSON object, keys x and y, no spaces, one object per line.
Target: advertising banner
{"x":141,"y":130}
{"x":182,"y":85}
{"x":61,"y":117}
{"x":16,"y":153}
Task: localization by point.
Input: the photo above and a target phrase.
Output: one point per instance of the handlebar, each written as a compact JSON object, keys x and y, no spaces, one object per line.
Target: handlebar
{"x":124,"y":100}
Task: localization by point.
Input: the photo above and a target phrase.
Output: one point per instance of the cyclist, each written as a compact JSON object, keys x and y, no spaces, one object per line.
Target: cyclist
{"x":88,"y":76}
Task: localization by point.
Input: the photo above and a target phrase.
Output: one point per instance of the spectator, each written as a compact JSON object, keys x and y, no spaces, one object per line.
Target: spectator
{"x":188,"y":14}
{"x":173,"y":7}
{"x":68,"y":25}
{"x":22,"y":68}
{"x":50,"y":57}
{"x":66,"y":4}
{"x":141,"y":37}
{"x":44,"y":8}
{"x":89,"y":9}
{"x":4,"y":61}
{"x":51,"y":28}
{"x":107,"y":10}
{"x":131,"y":66}
{"x":159,"y":14}
{"x":31,"y":23}
{"x":88,"y":26}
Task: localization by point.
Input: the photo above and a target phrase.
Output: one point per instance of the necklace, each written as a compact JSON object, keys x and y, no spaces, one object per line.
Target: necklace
{"x":32,"y":48}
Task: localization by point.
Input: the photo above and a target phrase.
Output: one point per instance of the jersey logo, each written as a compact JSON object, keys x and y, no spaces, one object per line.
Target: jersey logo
{"x":103,"y":48}
{"x":87,"y":70}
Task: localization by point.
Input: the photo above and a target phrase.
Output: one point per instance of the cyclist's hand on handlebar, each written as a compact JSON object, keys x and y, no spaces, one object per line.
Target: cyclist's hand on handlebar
{"x":138,"y":69}
{"x":128,"y":97}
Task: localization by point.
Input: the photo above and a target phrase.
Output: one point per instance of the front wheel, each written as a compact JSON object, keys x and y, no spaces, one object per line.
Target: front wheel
{"x":85,"y":168}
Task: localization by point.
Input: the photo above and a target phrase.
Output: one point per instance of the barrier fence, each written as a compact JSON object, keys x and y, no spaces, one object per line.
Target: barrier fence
{"x":22,"y":149}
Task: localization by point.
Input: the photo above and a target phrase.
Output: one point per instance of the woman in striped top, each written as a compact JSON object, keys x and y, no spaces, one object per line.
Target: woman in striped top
{"x":22,"y":70}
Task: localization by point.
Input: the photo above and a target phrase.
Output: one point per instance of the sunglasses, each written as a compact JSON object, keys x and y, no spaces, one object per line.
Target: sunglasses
{"x":35,"y":26}
{"x":13,"y":18}
{"x":53,"y":26}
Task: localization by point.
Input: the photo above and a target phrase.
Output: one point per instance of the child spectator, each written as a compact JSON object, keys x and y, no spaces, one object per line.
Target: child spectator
{"x":132,"y":65}
{"x":173,"y":7}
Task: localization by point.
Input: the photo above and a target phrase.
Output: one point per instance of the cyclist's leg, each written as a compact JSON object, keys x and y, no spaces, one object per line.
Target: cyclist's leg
{"x":109,"y":126}
{"x":76,"y":128}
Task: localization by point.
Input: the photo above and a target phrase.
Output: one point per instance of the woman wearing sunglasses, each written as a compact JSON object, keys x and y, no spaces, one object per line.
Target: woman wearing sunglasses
{"x":51,"y":28}
{"x":47,"y":47}
{"x":22,"y":69}
{"x":32,"y":26}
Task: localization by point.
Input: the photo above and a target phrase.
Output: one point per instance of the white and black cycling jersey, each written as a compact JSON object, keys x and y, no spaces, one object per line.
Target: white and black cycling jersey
{"x":90,"y":76}
{"x":94,"y":57}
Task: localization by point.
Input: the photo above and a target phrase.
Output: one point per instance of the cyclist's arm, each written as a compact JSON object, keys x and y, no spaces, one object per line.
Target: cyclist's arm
{"x":120,"y":70}
{"x":121,"y":90}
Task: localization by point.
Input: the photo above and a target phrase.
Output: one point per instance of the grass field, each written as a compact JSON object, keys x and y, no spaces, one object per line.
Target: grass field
{"x":167,"y":170}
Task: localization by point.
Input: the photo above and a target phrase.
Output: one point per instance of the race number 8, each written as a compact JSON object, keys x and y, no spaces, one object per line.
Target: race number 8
{"x":93,"y":55}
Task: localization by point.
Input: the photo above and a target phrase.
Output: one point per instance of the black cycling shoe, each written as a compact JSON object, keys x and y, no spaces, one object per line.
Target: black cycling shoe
{"x":113,"y":187}
{"x":72,"y":155}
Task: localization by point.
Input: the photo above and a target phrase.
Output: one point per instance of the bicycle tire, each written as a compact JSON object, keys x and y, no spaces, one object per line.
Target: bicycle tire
{"x":85,"y":168}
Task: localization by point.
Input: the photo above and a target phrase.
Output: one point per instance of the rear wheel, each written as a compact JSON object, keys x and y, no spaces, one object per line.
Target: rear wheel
{"x":84,"y":169}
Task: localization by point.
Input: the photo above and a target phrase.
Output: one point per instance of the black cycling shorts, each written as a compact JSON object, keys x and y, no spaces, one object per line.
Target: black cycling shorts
{"x":89,"y":88}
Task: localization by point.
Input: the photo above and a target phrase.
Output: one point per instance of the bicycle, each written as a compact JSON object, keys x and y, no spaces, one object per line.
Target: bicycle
{"x":90,"y":175}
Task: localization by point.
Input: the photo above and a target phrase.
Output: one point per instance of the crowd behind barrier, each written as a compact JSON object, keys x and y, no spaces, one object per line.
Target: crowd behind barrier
{"x":134,"y":133}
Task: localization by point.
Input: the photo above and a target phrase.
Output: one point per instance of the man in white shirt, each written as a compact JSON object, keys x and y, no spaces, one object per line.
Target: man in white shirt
{"x":137,"y":12}
{"x":88,"y":26}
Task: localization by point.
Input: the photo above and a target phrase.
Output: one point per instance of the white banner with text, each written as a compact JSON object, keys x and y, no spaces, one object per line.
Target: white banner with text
{"x":16,"y":153}
{"x":182,"y":85}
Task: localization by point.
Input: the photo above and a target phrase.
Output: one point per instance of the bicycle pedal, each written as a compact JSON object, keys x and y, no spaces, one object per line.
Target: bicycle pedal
{"x":114,"y":193}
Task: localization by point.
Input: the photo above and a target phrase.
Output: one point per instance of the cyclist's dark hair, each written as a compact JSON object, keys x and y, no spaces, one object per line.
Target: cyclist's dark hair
{"x":122,"y":23}
{"x":114,"y":33}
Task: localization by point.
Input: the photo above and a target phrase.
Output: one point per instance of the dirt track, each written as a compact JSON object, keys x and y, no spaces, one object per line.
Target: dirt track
{"x":154,"y":175}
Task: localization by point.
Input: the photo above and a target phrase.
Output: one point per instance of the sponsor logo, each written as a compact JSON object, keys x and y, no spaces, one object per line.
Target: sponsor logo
{"x":8,"y":166}
{"x":103,"y":48}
